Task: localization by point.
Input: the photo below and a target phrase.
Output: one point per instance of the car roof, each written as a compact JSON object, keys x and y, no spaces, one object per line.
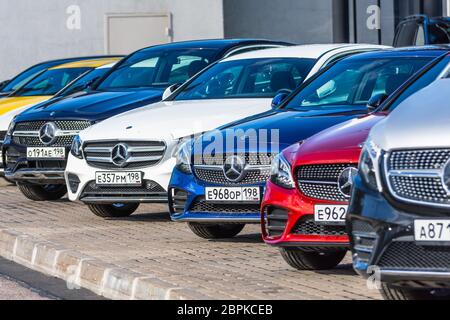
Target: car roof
{"x":213,"y":44}
{"x":313,"y":51}
{"x":423,"y":51}
{"x":86,"y":63}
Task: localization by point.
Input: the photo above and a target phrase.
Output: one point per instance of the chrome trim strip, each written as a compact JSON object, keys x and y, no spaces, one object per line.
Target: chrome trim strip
{"x":214,"y":220}
{"x":431,"y":275}
{"x":415,"y":173}
{"x":99,"y":159}
{"x":58,"y":133}
{"x":318,"y":182}
{"x":98,"y":149}
{"x":146,"y":149}
{"x":110,"y":200}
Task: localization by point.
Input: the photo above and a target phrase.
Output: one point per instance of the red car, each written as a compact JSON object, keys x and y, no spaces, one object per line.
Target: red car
{"x":308,"y":221}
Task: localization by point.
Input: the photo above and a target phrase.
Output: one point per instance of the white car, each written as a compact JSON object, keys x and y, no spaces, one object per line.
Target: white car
{"x":128,"y":159}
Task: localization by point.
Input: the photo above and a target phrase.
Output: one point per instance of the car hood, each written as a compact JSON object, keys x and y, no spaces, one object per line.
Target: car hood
{"x":289,"y":126}
{"x":175,"y":119}
{"x":9,"y":104}
{"x":92,"y":106}
{"x":339,"y":144}
{"x":421,"y":121}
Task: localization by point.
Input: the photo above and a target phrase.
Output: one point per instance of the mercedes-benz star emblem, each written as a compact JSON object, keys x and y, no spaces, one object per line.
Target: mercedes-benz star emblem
{"x":445,"y":176}
{"x":120,"y":155}
{"x":346,"y":180}
{"x":234,"y":168}
{"x":47,"y":133}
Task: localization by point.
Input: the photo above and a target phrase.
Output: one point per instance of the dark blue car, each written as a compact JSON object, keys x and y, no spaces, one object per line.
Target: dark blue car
{"x":38,"y":140}
{"x":218,"y":182}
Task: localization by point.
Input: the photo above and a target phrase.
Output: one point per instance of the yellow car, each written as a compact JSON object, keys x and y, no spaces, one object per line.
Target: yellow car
{"x":47,"y":84}
{"x":60,"y":81}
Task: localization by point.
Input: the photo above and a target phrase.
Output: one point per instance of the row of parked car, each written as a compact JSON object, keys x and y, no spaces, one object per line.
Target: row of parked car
{"x":242,"y":131}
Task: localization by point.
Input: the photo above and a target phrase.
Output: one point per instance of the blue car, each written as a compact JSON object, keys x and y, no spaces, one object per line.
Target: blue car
{"x":218,"y":189}
{"x":38,"y":140}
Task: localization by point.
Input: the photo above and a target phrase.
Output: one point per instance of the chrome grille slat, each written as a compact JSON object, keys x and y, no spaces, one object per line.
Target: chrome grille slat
{"x":142,"y":153}
{"x":320,"y":181}
{"x":415,"y":176}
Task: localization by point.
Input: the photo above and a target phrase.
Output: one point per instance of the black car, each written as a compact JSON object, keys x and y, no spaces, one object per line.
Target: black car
{"x":9,"y":86}
{"x":419,"y":30}
{"x":47,"y":130}
{"x":399,"y":214}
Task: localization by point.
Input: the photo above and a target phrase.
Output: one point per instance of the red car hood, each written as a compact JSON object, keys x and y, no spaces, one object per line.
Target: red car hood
{"x":338,"y":144}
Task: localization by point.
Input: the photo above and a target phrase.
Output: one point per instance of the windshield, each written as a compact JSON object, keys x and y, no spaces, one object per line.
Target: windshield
{"x":250,"y":78}
{"x":439,"y":32}
{"x":424,"y":80}
{"x":156,"y":68}
{"x":50,"y":82}
{"x":353,"y":82}
{"x":23,"y":78}
{"x":82,"y":82}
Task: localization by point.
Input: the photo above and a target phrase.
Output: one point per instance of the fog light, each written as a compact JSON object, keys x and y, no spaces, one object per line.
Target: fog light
{"x":74,"y":182}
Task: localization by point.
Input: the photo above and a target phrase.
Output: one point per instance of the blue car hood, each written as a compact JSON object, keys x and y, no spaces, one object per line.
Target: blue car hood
{"x":292,"y":126}
{"x":91,"y":106}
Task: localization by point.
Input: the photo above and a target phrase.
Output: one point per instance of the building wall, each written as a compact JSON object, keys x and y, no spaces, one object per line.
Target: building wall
{"x":35,"y":30}
{"x":306,"y":21}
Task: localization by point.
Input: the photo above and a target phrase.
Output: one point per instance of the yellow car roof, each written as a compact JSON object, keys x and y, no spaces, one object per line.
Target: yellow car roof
{"x":95,"y":63}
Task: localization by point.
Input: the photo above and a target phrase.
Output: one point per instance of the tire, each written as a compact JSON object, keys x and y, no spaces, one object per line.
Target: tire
{"x":43,"y":193}
{"x":396,"y":293}
{"x":303,"y":260}
{"x":216,"y":231}
{"x":119,"y":210}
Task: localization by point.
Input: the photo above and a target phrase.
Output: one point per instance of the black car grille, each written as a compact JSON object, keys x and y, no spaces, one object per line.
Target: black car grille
{"x":200,"y":205}
{"x":364,"y":239}
{"x":177,"y":201}
{"x":415,"y":176}
{"x":65,"y":141}
{"x":307,"y":226}
{"x":148,"y":190}
{"x":146,"y":154}
{"x":210,"y":168}
{"x":321,"y":181}
{"x":253,"y":159}
{"x":68,"y":125}
{"x":218,"y":177}
{"x":402,"y":255}
{"x":33,"y":127}
{"x":275,"y":221}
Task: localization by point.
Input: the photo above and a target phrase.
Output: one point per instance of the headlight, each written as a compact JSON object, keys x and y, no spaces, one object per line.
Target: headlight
{"x":281,"y":173}
{"x":77,"y":148}
{"x":368,"y":164}
{"x":183,"y":154}
{"x":11,"y":128}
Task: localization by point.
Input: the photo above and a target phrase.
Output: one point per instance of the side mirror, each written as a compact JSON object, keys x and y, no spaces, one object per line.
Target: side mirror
{"x":170,"y":90}
{"x":376,"y":101}
{"x":4,"y":83}
{"x":279,"y":98}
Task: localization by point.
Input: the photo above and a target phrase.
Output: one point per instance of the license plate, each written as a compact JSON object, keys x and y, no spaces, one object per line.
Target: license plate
{"x":118,"y":178}
{"x":432,"y":230}
{"x":46,"y":153}
{"x":330,"y":214}
{"x":245,"y":194}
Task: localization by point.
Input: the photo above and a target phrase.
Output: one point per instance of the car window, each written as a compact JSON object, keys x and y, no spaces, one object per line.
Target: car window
{"x":407,"y":34}
{"x":82,"y":82}
{"x":156,"y":68}
{"x":439,"y":33}
{"x":354,"y":82}
{"x":50,"y":82}
{"x":248,"y":78}
{"x":23,"y":78}
{"x":420,"y":83}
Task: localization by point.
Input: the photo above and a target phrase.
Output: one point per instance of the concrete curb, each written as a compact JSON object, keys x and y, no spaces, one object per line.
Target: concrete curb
{"x":78,"y":271}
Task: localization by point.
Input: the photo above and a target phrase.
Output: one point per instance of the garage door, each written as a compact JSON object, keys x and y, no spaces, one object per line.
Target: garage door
{"x":126,"y":33}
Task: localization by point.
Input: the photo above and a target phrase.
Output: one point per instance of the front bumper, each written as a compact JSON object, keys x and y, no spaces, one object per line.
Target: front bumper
{"x":383,"y":242}
{"x":18,"y":168}
{"x":187,"y":203}
{"x":80,"y":178}
{"x":287,"y":220}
